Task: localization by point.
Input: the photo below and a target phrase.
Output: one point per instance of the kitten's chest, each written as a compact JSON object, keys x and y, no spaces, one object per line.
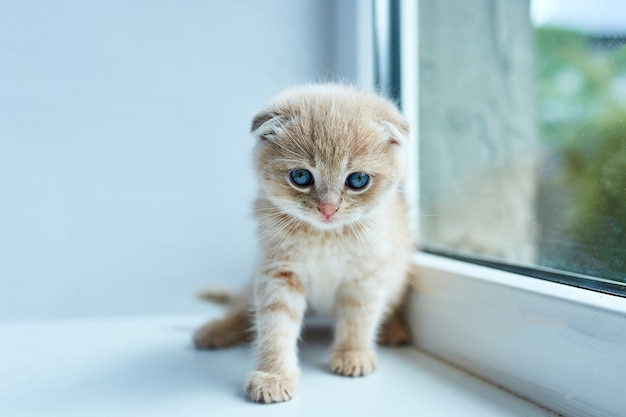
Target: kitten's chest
{"x":330,"y":255}
{"x":327,"y":263}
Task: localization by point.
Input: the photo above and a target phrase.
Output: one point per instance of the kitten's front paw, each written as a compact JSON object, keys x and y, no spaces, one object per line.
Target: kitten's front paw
{"x":264,"y":387}
{"x":353,"y":362}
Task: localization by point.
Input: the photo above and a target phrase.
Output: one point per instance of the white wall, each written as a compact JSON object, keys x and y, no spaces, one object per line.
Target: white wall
{"x":124,"y":148}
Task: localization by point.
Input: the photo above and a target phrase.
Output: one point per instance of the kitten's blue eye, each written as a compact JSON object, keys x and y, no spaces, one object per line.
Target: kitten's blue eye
{"x":301,"y":177}
{"x":357,"y":180}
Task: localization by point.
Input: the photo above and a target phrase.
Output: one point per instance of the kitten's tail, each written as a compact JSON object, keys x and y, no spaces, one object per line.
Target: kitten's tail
{"x":221,"y":297}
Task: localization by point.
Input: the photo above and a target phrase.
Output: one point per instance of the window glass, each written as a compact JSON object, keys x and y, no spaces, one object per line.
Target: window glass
{"x":523,"y":133}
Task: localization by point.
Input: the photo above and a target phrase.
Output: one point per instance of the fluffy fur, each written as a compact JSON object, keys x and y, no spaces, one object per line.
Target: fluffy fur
{"x":325,"y":247}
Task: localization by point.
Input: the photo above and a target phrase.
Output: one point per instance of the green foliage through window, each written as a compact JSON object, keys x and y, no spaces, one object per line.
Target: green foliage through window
{"x":581,"y":113}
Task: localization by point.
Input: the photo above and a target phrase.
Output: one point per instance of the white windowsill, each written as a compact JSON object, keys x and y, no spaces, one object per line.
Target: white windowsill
{"x":147,"y":367}
{"x":560,"y":346}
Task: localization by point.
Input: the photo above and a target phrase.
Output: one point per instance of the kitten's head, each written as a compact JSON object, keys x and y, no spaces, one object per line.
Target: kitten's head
{"x":328,"y":154}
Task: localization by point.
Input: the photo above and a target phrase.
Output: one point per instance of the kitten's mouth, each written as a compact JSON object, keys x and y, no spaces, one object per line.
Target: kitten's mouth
{"x":331,"y":222}
{"x":327,"y":224}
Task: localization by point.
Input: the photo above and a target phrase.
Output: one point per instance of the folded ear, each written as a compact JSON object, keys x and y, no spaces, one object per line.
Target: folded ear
{"x":267,"y":123}
{"x":260,"y":119}
{"x":397,"y":130}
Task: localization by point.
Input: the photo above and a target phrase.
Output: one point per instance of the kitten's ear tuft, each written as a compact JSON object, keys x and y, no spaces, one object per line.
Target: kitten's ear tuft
{"x":266,"y":124}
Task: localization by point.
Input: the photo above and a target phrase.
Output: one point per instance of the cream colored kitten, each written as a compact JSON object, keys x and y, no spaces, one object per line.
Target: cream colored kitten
{"x":334,"y":233}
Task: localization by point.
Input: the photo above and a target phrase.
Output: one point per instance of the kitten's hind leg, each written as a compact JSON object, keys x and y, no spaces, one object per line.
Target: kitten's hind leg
{"x":231,"y":330}
{"x":234,"y":328}
{"x":395,"y":330}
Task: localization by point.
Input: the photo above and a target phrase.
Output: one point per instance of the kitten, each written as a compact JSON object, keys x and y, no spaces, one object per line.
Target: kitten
{"x":334,"y":233}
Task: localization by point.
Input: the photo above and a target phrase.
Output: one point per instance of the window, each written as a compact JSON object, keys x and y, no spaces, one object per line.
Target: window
{"x":518,"y":116}
{"x":523,"y":150}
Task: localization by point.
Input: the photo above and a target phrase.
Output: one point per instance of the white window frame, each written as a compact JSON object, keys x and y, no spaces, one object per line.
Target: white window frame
{"x":561,"y":347}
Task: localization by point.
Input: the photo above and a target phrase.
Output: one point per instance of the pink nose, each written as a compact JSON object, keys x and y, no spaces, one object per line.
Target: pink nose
{"x":327,"y":209}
